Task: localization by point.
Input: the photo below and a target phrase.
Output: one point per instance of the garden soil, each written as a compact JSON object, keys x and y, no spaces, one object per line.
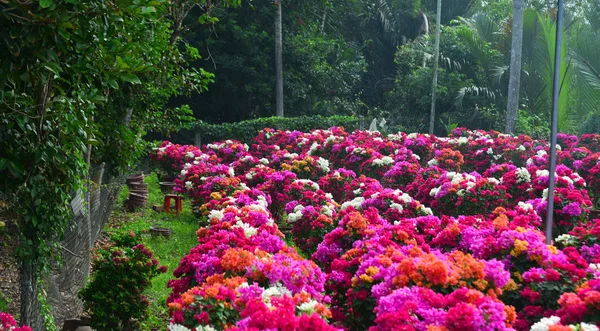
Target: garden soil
{"x":9,"y":268}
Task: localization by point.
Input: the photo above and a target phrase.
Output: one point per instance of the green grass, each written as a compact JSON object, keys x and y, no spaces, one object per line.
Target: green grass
{"x":169,"y":252}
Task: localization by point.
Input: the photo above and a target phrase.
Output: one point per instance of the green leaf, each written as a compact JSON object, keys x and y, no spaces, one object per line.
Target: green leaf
{"x":45,"y":3}
{"x":15,"y":168}
{"x":64,"y":34}
{"x":113,"y":83}
{"x":148,"y":10}
{"x":130,"y":78}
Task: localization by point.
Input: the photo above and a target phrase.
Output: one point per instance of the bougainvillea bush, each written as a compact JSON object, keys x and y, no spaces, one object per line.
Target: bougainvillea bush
{"x":8,"y":323}
{"x":331,"y":230}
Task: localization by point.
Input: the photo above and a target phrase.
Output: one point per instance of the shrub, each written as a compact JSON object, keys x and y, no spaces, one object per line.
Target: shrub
{"x":114,"y":295}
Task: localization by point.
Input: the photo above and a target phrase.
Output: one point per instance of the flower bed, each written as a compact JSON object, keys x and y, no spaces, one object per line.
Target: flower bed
{"x":399,"y":232}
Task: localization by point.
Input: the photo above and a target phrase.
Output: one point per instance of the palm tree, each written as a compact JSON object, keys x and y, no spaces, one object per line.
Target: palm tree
{"x":486,"y":38}
{"x":512,"y":110}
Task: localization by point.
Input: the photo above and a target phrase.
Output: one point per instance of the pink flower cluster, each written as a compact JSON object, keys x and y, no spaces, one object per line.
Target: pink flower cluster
{"x":404,"y":232}
{"x":8,"y":323}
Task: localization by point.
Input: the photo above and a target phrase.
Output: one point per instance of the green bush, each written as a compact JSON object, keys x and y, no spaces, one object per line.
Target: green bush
{"x":246,"y":130}
{"x":114,"y":296}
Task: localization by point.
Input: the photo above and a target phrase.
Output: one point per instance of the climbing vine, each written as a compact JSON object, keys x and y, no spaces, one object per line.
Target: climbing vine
{"x":81,"y":81}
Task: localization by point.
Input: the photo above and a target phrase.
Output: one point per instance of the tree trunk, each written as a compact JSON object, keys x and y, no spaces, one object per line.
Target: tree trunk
{"x":28,"y":293}
{"x":426,"y":33}
{"x":514,"y":84}
{"x":323,"y":20}
{"x":278,"y":61}
{"x":436,"y":61}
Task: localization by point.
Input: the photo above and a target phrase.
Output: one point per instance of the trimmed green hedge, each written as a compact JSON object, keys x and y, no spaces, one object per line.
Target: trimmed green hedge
{"x":245,"y":131}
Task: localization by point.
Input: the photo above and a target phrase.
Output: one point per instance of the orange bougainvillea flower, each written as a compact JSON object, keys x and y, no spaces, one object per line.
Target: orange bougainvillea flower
{"x":436,"y":328}
{"x":357,"y":221}
{"x":237,"y":260}
{"x":559,"y":328}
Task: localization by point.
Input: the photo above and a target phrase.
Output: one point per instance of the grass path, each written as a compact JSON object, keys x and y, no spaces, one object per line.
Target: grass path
{"x":169,"y":252}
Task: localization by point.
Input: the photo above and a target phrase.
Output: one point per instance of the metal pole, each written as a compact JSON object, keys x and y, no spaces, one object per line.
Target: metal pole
{"x":555,"y":96}
{"x":278,"y":61}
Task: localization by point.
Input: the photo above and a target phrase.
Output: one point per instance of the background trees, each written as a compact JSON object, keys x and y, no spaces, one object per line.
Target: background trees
{"x":366,"y":57}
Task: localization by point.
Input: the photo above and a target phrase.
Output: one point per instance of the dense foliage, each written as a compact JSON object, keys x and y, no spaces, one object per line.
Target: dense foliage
{"x":375,"y":58}
{"x":81,"y":81}
{"x":404,"y":231}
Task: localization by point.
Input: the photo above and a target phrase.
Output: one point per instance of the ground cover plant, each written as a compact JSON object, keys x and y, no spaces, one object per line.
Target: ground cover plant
{"x":396,"y":232}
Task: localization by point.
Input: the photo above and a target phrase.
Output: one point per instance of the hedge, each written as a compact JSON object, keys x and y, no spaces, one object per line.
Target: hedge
{"x":246,"y":130}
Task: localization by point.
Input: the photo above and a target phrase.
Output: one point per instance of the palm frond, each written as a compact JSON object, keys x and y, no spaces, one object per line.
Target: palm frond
{"x":473,"y":90}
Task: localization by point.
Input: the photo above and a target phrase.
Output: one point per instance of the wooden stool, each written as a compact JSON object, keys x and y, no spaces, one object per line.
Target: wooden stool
{"x":178,"y":203}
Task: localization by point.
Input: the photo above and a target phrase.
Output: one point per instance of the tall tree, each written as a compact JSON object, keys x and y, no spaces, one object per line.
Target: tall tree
{"x":278,"y":61}
{"x":514,"y":83}
{"x":436,"y":60}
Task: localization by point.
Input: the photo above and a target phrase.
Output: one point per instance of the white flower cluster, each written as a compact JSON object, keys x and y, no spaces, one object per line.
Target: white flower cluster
{"x":296,"y":214}
{"x":330,"y":139}
{"x":186,"y":166}
{"x":308,"y":307}
{"x":523,"y":175}
{"x":457,"y":178}
{"x":525,"y":205}
{"x":323,"y":164}
{"x":594,"y":267}
{"x":545,"y":323}
{"x":274,"y":291}
{"x":327,"y":210}
{"x":397,"y":206}
{"x":313,"y":148}
{"x":356,"y":203}
{"x":386,"y":160}
{"x":567,"y":240}
{"x":432,"y":162}
{"x":357,"y":150}
{"x":542,"y":173}
{"x":218,"y":214}
{"x":249,"y":230}
{"x":178,"y":327}
{"x":403,"y":196}
{"x":424,"y":210}
{"x":308,"y":182}
{"x":290,"y":156}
